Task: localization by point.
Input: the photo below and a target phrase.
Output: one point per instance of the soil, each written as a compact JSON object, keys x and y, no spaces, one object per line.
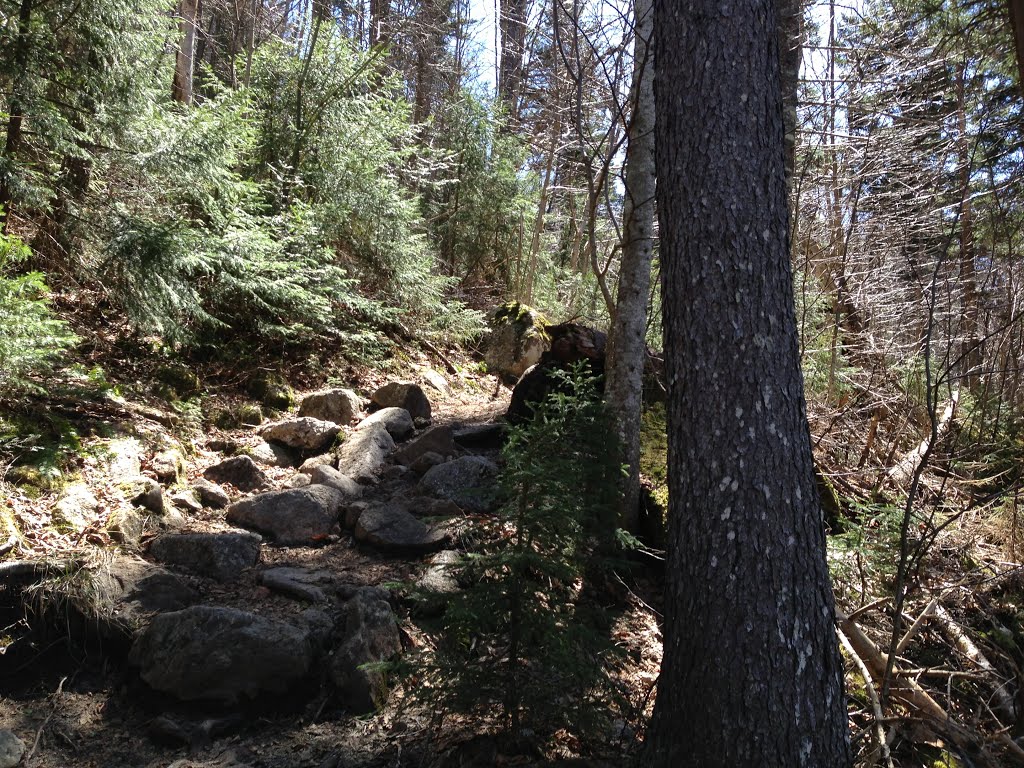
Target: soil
{"x":77,"y":709}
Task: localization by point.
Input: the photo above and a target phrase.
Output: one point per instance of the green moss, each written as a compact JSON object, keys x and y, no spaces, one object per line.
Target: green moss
{"x":273,"y":391}
{"x":654,"y":451}
{"x":527,"y":319}
{"x":177,"y":382}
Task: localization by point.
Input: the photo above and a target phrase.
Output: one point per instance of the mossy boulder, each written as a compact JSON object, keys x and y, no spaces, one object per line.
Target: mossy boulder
{"x":517,"y":340}
{"x":177,"y":382}
{"x":273,"y":391}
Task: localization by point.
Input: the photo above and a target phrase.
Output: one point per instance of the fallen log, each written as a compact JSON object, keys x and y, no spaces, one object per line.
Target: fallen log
{"x":903,"y":471}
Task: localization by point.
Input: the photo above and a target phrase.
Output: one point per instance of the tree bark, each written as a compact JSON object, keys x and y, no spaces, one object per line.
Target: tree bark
{"x":627,"y":343}
{"x":751,"y":675}
{"x":790,"y":24}
{"x":184,"y":61}
{"x":16,"y":106}
{"x":513,"y":42}
{"x":1016,"y":12}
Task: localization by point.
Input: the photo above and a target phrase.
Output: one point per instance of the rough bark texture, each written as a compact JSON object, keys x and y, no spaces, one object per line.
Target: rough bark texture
{"x":790,"y":22}
{"x":627,"y":344}
{"x":184,"y":61}
{"x":1016,"y":12}
{"x":16,"y":109}
{"x":751,"y":674}
{"x":513,"y":43}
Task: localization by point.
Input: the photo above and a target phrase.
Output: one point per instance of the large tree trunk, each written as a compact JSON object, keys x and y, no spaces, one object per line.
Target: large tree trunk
{"x":513,"y":43}
{"x":627,"y":343}
{"x":184,"y":61}
{"x":1016,"y":11}
{"x":751,"y":675}
{"x":789,"y":16}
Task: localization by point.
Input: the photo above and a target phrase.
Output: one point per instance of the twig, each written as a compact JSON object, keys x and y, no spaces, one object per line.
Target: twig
{"x":53,"y":710}
{"x":905,"y":641}
{"x":876,"y":705}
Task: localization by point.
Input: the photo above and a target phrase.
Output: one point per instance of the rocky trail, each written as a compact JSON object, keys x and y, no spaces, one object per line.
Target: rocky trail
{"x":249,"y":587}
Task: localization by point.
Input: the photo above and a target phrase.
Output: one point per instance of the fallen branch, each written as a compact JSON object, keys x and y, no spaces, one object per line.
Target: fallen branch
{"x":876,"y":705}
{"x":903,"y":470}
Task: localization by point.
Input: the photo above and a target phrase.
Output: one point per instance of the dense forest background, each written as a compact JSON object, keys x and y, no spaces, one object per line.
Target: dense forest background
{"x":191,"y":192}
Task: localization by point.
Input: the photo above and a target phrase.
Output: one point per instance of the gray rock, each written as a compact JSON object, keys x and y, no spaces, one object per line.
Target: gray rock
{"x":436,"y":380}
{"x":169,"y":465}
{"x":403,"y":394}
{"x":144,"y":492}
{"x":424,"y":463}
{"x":77,"y":507}
{"x":469,"y":481}
{"x":337,"y":405}
{"x":120,"y":595}
{"x":211,"y":494}
{"x":516,"y":342}
{"x":298,"y":480}
{"x":327,"y":475}
{"x":427,"y":506}
{"x":353,"y":511}
{"x":221,"y":556}
{"x":435,"y":440}
{"x":239,"y":471}
{"x":296,"y":583}
{"x":391,"y":528}
{"x":323,"y":460}
{"x":12,"y":749}
{"x":370,"y":637}
{"x":123,"y":457}
{"x":396,"y":421}
{"x":364,"y":452}
{"x":479,"y":436}
{"x":438,"y":578}
{"x":221,"y":654}
{"x":126,"y":526}
{"x":272,"y":454}
{"x":187,"y":501}
{"x":304,"y":433}
{"x":301,"y":516}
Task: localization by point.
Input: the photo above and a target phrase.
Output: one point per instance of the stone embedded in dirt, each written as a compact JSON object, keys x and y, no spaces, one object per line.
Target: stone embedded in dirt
{"x":363,"y":453}
{"x":436,"y":380}
{"x":144,"y":492}
{"x":272,"y":454}
{"x":221,"y":556}
{"x":169,"y":465}
{"x":296,"y":517}
{"x":298,"y":480}
{"x":304,"y":433}
{"x":323,"y":460}
{"x":396,"y":421}
{"x":187,"y":501}
{"x":239,"y":471}
{"x":211,"y":494}
{"x":328,"y":475}
{"x":120,"y":595}
{"x":337,"y":405}
{"x":391,"y":528}
{"x":469,"y":481}
{"x":296,"y":583}
{"x":435,"y":440}
{"x":423,"y":464}
{"x":11,"y":749}
{"x":126,"y":526}
{"x":438,"y":581}
{"x":221,"y":654}
{"x":403,"y":394}
{"x":370,"y":637}
{"x":77,"y":507}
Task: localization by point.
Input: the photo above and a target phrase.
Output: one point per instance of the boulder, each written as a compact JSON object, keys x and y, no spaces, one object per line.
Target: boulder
{"x":479,"y":437}
{"x":439,"y":440}
{"x":364,"y":452}
{"x":11,"y":749}
{"x":126,"y":526}
{"x":436,"y":380}
{"x":239,"y":471}
{"x":211,"y":494}
{"x":272,"y":454}
{"x":403,"y":394}
{"x":77,"y":507}
{"x":438,"y":582}
{"x":303,"y":433}
{"x":298,"y":480}
{"x":169,"y":465}
{"x":424,"y":463}
{"x":118,"y":597}
{"x":221,"y":556}
{"x":516,"y":341}
{"x":144,"y":492}
{"x":296,"y":517}
{"x":296,"y":583}
{"x":323,"y":460}
{"x":327,"y":475}
{"x":221,"y":654}
{"x":370,"y":637}
{"x":187,"y":501}
{"x":272,"y":391}
{"x":468,"y":481}
{"x":122,"y":457}
{"x":396,"y":421}
{"x":337,"y":405}
{"x":393,"y":529}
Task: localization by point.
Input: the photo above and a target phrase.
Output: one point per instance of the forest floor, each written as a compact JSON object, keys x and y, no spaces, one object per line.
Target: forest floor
{"x":78,"y":707}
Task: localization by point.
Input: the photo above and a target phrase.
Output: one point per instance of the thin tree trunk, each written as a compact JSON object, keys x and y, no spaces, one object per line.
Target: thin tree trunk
{"x":751,"y":675}
{"x":1016,"y":13}
{"x":512,"y":23}
{"x":184,"y":60}
{"x":16,"y":105}
{"x":627,"y":343}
